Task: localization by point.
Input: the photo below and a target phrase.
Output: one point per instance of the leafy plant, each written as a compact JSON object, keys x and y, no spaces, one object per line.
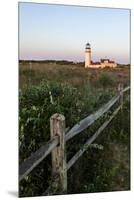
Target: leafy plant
{"x":106,"y":80}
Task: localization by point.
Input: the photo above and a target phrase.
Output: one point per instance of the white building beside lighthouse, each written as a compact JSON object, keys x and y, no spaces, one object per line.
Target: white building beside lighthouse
{"x":101,"y":64}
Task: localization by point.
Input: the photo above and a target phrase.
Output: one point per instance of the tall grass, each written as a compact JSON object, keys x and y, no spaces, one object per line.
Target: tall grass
{"x":75,"y":93}
{"x":76,"y":75}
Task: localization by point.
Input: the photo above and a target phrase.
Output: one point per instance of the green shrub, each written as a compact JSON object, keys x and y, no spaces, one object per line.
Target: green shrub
{"x":35,"y":110}
{"x":106,"y":80}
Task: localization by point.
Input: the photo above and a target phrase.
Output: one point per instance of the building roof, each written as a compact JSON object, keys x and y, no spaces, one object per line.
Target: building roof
{"x":95,"y":63}
{"x":109,"y":61}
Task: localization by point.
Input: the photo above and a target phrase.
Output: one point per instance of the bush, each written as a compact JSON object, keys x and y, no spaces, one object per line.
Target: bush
{"x":36,"y":108}
{"x":105,"y":80}
{"x":37,"y":105}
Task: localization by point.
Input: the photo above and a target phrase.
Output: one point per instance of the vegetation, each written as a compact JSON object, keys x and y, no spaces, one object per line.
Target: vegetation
{"x":106,"y":80}
{"x":75,"y":92}
{"x":74,"y":74}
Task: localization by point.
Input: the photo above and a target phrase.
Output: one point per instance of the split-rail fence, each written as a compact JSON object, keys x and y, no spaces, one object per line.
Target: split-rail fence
{"x":57,"y":145}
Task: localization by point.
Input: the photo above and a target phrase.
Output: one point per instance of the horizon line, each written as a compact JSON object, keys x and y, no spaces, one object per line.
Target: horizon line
{"x":59,"y":60}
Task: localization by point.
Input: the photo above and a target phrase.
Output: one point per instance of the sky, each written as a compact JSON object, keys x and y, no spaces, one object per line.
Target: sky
{"x":60,"y":32}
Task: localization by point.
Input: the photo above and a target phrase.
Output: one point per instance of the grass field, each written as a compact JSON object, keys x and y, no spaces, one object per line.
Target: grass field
{"x":76,"y":93}
{"x":75,"y":74}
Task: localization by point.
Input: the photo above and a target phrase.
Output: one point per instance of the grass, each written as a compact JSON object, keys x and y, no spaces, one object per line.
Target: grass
{"x":76,"y":93}
{"x":107,"y":169}
{"x":76,"y":74}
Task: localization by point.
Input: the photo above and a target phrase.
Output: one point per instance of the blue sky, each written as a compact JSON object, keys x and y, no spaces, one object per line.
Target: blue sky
{"x":61,"y":32}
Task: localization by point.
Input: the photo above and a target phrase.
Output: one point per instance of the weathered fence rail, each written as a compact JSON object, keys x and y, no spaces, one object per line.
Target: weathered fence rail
{"x":30,"y":163}
{"x":90,"y":140}
{"x":60,"y":135}
{"x":83,"y":124}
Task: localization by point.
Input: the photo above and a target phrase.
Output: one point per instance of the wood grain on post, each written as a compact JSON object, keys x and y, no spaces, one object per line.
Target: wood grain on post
{"x":57,"y":128}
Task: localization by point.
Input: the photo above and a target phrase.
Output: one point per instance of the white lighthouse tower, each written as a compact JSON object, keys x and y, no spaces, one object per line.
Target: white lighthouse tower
{"x":87,"y":55}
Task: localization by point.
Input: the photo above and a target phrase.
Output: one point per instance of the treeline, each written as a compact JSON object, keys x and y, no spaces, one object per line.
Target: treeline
{"x":123,"y":65}
{"x":61,"y":62}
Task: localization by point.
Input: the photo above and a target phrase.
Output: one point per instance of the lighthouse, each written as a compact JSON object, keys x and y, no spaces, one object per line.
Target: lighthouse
{"x":87,"y":55}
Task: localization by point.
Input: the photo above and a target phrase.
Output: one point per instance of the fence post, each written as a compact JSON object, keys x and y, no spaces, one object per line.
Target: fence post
{"x":120,"y":90}
{"x":59,"y":169}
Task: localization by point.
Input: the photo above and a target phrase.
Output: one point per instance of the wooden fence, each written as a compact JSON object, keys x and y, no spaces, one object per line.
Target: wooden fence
{"x":57,"y":145}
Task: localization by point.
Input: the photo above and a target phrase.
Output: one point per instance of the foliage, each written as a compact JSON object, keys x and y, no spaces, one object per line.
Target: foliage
{"x":107,"y":169}
{"x":36,"y":109}
{"x":106,"y":80}
{"x":74,"y":92}
{"x":32,"y":73}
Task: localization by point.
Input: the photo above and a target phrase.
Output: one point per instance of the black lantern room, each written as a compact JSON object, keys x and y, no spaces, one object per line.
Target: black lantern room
{"x":87,"y":46}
